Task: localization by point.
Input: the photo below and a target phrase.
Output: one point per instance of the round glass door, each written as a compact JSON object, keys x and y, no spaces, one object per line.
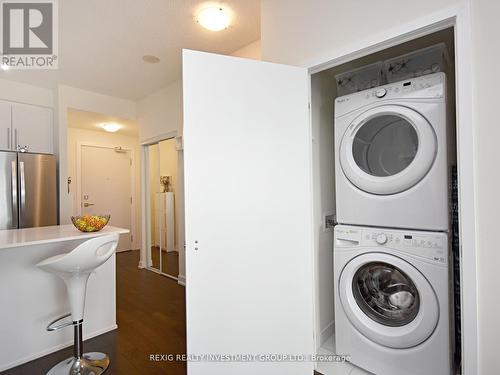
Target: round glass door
{"x":386,"y":294}
{"x":388,"y":300}
{"x":387,"y":149}
{"x":385,"y":145}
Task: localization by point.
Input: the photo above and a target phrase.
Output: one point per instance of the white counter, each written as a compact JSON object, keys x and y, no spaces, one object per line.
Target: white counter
{"x":30,"y":298}
{"x":44,"y":235}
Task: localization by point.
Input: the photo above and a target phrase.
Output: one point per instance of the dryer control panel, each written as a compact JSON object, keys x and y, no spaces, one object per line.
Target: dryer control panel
{"x":430,"y":245}
{"x":432,"y":86}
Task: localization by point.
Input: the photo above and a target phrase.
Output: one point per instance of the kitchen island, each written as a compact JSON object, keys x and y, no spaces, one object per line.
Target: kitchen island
{"x":31,"y":298}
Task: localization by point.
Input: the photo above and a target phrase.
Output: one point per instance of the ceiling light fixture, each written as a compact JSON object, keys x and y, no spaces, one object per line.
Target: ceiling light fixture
{"x":213,"y":18}
{"x":151,"y":59}
{"x":111,"y":127}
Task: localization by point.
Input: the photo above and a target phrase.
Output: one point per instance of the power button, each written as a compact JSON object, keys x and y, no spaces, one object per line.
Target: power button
{"x":380,"y":93}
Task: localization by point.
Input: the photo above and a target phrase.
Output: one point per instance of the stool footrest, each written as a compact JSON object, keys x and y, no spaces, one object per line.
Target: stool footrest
{"x":53,"y":327}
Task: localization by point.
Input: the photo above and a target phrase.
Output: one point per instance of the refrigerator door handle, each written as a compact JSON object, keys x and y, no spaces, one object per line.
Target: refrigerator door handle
{"x":14,"y":191}
{"x":8,"y":139}
{"x":22,"y":188}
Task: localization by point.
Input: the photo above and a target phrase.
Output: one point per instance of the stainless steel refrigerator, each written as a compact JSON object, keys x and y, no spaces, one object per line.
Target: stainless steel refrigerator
{"x":28,"y":190}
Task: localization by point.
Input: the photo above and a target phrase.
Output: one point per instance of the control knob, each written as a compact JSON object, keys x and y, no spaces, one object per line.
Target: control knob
{"x":381,"y":239}
{"x":380,"y":93}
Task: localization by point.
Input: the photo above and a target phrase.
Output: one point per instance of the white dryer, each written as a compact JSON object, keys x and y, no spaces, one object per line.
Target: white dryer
{"x":392,"y":300}
{"x":391,"y":164}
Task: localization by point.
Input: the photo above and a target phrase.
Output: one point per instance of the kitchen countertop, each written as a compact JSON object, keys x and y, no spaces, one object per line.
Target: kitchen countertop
{"x":44,"y":235}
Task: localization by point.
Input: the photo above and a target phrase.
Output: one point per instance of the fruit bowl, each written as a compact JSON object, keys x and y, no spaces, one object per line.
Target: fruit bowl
{"x":90,"y":223}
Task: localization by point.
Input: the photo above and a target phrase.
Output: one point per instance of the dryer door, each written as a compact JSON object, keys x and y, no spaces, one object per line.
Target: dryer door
{"x":388,"y":300}
{"x":387,"y":149}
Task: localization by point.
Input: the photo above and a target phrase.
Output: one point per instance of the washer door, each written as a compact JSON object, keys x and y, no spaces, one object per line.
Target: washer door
{"x":388,"y":300}
{"x":387,"y":149}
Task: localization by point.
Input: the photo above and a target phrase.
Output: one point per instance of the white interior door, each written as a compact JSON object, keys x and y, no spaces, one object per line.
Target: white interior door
{"x":106,"y":187}
{"x":248,"y":199}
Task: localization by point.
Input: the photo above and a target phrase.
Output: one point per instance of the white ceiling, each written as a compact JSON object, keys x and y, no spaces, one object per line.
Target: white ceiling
{"x":101,"y":43}
{"x":93,"y":121}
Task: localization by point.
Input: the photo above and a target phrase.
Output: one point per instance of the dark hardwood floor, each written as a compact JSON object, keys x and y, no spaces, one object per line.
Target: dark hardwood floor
{"x":169,"y":261}
{"x":151,"y":320}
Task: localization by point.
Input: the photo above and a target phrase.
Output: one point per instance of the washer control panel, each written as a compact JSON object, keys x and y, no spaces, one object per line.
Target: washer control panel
{"x":432,"y":86}
{"x":433,"y":246}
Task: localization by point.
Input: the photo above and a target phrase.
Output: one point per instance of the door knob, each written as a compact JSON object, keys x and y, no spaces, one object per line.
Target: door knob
{"x":87,"y":204}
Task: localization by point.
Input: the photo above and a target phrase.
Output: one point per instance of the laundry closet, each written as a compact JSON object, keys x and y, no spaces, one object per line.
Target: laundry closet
{"x":430,"y":216}
{"x":260,"y":212}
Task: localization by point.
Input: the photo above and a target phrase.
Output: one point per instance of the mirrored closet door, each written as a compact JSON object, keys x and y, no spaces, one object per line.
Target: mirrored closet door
{"x":163,"y":247}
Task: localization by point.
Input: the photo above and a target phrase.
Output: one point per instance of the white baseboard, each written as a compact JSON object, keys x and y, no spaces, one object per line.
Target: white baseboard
{"x":181,"y":280}
{"x":55,"y":348}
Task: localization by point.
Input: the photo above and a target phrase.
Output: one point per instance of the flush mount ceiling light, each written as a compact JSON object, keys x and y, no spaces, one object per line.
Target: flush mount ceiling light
{"x":111,"y":127}
{"x":213,"y":18}
{"x":150,"y":59}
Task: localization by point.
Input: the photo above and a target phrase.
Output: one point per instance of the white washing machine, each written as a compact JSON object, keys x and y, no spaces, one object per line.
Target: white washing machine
{"x":392,"y":300}
{"x":391,"y":163}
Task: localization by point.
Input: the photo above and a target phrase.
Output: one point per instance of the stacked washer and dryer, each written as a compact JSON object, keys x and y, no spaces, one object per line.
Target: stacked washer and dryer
{"x":391,"y":257}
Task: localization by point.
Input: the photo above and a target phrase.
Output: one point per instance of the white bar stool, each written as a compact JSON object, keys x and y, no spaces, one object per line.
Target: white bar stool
{"x":75,"y":268}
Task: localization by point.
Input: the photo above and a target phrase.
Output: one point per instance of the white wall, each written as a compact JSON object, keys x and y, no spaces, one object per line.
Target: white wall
{"x":486,"y":52}
{"x":24,"y":93}
{"x":98,"y":103}
{"x":161,"y":112}
{"x":250,"y":51}
{"x":104,"y":139}
{"x":297,"y":32}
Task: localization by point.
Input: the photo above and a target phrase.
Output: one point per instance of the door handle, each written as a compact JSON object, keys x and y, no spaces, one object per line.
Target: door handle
{"x":347,"y":242}
{"x":14,"y":191}
{"x":87,"y":204}
{"x":22,"y":186}
{"x":16,"y":146}
{"x":8,"y":138}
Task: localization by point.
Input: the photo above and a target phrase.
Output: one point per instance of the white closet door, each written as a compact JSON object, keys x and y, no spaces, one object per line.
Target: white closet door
{"x":247,"y":150}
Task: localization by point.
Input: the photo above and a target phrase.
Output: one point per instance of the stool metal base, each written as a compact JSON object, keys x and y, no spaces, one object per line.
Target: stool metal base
{"x":89,"y":364}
